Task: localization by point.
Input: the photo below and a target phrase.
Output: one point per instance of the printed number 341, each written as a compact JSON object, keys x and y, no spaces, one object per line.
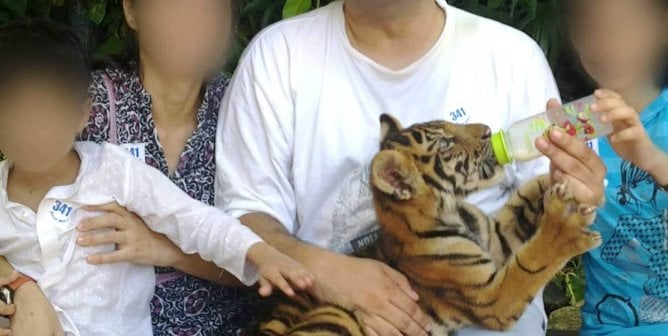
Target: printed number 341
{"x":62,"y":208}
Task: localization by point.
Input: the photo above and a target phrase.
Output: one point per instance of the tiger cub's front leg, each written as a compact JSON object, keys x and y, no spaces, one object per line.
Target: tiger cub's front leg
{"x":561,"y":234}
{"x":518,"y":220}
{"x":464,"y":290}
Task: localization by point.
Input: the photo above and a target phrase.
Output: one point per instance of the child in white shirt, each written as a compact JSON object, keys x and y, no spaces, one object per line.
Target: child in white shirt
{"x":48,"y":181}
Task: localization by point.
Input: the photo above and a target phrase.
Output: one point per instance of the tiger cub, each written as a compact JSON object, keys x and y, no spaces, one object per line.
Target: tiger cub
{"x":468,"y":269}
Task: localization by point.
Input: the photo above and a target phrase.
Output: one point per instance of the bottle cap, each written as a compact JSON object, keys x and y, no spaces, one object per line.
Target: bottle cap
{"x":500,"y":149}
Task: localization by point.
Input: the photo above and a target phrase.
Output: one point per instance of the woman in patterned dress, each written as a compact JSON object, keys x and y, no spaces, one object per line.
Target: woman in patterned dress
{"x":162,"y":105}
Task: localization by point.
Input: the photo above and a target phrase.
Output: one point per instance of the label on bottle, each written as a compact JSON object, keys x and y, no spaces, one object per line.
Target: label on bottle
{"x":578,"y":120}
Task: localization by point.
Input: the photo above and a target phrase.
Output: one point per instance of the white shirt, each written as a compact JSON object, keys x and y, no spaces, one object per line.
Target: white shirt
{"x":112,"y":299}
{"x":300,"y":120}
{"x":302,"y":111}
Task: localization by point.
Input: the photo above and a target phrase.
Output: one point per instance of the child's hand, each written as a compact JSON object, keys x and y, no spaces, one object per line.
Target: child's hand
{"x":278,"y":270}
{"x":629,"y":138}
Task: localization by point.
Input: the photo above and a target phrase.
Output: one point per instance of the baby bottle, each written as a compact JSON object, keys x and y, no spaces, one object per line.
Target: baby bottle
{"x":517,"y":143}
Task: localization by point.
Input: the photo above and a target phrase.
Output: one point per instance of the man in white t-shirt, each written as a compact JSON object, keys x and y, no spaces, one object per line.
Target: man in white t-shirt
{"x":300,"y":122}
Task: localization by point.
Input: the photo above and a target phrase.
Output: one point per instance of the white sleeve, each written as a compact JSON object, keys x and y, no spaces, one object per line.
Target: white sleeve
{"x":534,"y":86}
{"x":255,"y":135}
{"x":192,"y":225}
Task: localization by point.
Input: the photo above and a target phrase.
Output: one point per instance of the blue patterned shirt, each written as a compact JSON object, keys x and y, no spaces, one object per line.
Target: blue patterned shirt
{"x":627,"y":276}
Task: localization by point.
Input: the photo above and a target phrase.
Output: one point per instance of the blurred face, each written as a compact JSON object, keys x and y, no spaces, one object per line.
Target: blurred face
{"x":620,"y":42}
{"x":39,"y":120}
{"x":184,"y":38}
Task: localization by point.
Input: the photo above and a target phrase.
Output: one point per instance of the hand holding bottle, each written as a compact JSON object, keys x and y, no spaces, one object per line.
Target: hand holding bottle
{"x":572,"y":161}
{"x":629,"y":138}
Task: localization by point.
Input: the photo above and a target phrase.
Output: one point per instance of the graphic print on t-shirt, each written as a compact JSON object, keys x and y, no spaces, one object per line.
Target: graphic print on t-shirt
{"x":354,"y":225}
{"x":639,"y":245}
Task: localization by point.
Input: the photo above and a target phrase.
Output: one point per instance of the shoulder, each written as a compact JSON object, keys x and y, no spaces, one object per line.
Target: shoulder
{"x":217,"y":84}
{"x":111,"y":76}
{"x":107,"y":157}
{"x":302,"y":31}
{"x":494,"y":38}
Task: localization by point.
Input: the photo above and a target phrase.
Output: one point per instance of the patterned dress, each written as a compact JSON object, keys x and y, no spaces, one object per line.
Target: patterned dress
{"x":182,"y":305}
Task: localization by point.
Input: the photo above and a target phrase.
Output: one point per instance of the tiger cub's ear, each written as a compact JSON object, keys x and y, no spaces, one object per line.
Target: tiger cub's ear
{"x":395,"y":174}
{"x":388,"y":126}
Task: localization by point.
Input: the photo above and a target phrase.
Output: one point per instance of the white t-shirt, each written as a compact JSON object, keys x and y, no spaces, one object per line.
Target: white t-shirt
{"x":302,"y":112}
{"x":112,"y":299}
{"x":300,"y":120}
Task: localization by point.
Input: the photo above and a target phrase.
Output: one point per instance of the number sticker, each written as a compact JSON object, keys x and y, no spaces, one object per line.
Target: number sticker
{"x":459,"y":115}
{"x":61,"y":211}
{"x":137,"y":150}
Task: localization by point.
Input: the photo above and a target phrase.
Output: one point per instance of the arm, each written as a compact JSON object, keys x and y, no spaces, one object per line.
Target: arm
{"x":193,"y":226}
{"x":659,"y":170}
{"x":136,"y":243}
{"x":198,"y":228}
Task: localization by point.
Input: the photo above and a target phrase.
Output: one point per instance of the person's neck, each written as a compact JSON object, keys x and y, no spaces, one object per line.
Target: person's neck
{"x":175,"y":100}
{"x":64,"y":172}
{"x":393,"y":33}
{"x":640,"y":96}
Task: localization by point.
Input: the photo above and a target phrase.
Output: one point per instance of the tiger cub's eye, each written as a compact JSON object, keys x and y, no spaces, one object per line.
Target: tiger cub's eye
{"x":445,"y":144}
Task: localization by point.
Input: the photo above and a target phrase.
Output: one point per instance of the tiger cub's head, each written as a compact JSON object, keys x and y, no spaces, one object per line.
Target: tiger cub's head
{"x":451,"y":158}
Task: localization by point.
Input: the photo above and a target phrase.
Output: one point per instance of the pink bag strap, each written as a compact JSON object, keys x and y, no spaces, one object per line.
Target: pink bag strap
{"x":113,"y":135}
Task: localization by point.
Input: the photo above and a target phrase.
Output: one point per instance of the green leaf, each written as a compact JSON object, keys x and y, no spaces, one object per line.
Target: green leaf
{"x":295,"y":7}
{"x":96,"y":11}
{"x":495,"y":4}
{"x":16,"y":7}
{"x":114,"y":45}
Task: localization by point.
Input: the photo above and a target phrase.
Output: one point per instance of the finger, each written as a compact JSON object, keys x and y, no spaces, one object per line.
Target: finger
{"x":629,"y":134}
{"x":102,"y":238}
{"x":377,"y":325}
{"x":625,"y":114}
{"x":109,"y":258}
{"x":606,"y":93}
{"x":569,"y":154}
{"x":300,"y":279}
{"x":401,"y":320}
{"x":5,"y":332}
{"x":608,"y":104}
{"x":106,"y":221}
{"x":7,"y":310}
{"x":279,"y":281}
{"x":265,"y":287}
{"x":582,"y":191}
{"x":401,"y":281}
{"x":368,"y":331}
{"x":412,"y":309}
{"x":112,"y":207}
{"x":553,"y":104}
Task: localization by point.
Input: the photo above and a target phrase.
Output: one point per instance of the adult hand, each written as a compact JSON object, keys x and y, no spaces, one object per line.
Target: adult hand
{"x":34,"y":315}
{"x":573,"y":162}
{"x":379,"y":295}
{"x":134,"y":241}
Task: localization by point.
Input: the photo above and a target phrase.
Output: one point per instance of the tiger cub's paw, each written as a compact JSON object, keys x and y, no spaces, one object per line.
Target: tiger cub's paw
{"x":566,"y":222}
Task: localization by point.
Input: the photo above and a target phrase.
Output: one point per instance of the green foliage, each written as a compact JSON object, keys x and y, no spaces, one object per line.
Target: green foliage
{"x":571,"y":280}
{"x":100,"y":22}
